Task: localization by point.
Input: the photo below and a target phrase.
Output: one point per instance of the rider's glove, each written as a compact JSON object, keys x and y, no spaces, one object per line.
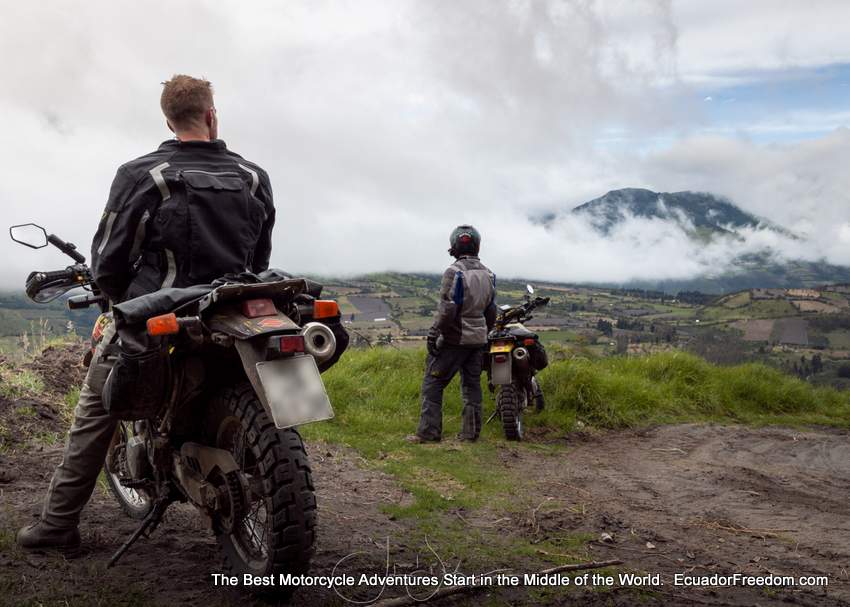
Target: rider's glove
{"x":433,"y":335}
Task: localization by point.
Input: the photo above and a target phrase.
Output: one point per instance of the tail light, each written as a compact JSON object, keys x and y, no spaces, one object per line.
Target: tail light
{"x":165,"y":324}
{"x":292,"y":344}
{"x":500,"y":358}
{"x":325,"y":308}
{"x":529,"y":341}
{"x":252,"y":308}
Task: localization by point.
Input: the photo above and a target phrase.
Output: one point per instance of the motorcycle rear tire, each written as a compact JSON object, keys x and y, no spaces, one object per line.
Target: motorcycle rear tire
{"x":510,"y":410}
{"x":278,"y":532}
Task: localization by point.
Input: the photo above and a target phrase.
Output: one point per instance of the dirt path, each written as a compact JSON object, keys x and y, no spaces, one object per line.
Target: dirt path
{"x":175,"y":564}
{"x":691,"y":498}
{"x":707,"y":499}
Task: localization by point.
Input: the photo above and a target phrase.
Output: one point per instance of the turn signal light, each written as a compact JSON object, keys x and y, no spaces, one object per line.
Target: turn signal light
{"x":166,"y":324}
{"x":290,"y":344}
{"x":529,"y":341}
{"x":252,"y":308}
{"x":325,"y":308}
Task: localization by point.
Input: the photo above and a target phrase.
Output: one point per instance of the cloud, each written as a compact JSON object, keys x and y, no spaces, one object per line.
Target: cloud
{"x":803,"y":186}
{"x":727,"y":42}
{"x":384,"y":125}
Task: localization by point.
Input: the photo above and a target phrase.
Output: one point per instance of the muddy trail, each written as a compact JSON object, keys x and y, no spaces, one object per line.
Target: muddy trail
{"x":686,"y":499}
{"x":706,"y":499}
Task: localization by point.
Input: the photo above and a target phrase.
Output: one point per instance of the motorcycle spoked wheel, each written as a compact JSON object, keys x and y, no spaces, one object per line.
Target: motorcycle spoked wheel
{"x":136,"y":503}
{"x":277,"y":531}
{"x":510,"y":405}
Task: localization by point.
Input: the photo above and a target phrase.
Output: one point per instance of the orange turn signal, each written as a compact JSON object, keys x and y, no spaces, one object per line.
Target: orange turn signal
{"x":165,"y":324}
{"x":325,"y":308}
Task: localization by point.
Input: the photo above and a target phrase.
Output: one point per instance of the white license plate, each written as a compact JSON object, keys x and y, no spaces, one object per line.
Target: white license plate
{"x":294,"y":390}
{"x":500,"y":373}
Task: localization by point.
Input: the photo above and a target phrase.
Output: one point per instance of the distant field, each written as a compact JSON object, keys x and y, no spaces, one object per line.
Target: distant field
{"x":755,"y":330}
{"x":807,"y":305}
{"x":369,"y":308}
{"x":791,"y":331}
{"x":738,"y":300}
{"x":560,"y":336}
{"x":839,"y":340}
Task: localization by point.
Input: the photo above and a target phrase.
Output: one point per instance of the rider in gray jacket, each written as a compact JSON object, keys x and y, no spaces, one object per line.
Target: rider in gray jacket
{"x":466,"y":312}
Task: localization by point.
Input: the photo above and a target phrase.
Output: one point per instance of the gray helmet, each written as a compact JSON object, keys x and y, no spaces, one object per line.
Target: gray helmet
{"x":464,"y":240}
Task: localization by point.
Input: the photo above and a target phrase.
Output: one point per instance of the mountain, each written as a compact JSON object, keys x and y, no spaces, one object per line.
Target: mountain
{"x":700,"y":214}
{"x":705,"y":218}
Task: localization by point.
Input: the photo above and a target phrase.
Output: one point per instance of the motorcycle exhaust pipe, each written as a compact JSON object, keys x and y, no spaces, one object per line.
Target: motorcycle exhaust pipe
{"x":319,"y":341}
{"x":521,"y":357}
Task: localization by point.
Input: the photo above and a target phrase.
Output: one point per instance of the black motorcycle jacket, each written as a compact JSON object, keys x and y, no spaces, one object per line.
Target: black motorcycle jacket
{"x":186,"y":214}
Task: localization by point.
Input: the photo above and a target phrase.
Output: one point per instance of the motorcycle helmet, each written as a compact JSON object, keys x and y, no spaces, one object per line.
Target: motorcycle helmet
{"x":464,"y":240}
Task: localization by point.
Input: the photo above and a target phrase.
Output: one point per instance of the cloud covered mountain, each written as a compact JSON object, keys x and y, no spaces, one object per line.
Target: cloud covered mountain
{"x":699,"y":214}
{"x":735,"y":248}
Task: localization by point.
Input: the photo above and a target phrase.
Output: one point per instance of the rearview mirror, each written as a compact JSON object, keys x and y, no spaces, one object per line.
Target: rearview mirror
{"x":29,"y":235}
{"x":530,"y":289}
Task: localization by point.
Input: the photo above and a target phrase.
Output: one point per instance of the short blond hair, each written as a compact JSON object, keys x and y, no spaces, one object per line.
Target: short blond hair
{"x":185,"y":100}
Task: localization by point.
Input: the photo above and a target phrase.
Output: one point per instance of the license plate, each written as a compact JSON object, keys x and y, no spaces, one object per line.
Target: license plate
{"x":500,"y":372}
{"x":294,"y":391}
{"x":501,"y":347}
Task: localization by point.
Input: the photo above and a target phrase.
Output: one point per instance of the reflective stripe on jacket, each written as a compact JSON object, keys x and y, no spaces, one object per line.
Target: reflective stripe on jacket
{"x":187,"y":213}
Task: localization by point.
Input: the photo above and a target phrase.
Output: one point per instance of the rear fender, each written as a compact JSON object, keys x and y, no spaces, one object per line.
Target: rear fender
{"x":253,"y":351}
{"x":232,"y":322}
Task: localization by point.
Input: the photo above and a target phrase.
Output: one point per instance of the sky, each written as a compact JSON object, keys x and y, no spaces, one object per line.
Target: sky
{"x":383,"y":124}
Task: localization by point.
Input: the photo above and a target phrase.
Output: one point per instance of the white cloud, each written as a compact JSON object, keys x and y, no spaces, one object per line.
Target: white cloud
{"x":383,"y":125}
{"x":727,"y":41}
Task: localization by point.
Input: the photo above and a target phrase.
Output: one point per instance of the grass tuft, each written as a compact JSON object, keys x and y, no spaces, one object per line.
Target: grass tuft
{"x":17,"y":383}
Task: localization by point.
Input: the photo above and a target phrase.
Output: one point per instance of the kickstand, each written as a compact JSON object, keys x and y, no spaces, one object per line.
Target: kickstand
{"x":149,"y":523}
{"x":489,"y":419}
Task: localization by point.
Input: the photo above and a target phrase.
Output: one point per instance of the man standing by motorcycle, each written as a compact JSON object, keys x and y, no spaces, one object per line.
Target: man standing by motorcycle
{"x":466,"y":312}
{"x":187,"y":213}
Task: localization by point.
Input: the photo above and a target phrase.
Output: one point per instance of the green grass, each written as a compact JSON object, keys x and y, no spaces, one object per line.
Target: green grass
{"x":839,"y":339}
{"x":15,"y":383}
{"x":678,"y":387}
{"x":560,"y":335}
{"x":375,"y":394}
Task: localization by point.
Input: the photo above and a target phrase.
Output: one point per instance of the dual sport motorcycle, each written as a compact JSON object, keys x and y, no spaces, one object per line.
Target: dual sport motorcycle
{"x":515,"y":355}
{"x":239,"y":365}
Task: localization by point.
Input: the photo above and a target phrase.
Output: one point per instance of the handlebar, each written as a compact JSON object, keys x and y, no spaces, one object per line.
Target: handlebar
{"x":37,"y":281}
{"x":43,"y":287}
{"x":68,"y":248}
{"x":66,"y":274}
{"x":78,"y":302}
{"x":523,"y":310}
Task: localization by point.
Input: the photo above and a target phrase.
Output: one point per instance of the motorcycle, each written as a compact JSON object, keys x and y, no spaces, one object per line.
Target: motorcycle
{"x":244,"y":363}
{"x":515,"y":355}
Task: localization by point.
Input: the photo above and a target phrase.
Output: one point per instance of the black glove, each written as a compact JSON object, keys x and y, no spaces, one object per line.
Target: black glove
{"x":433,"y":335}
